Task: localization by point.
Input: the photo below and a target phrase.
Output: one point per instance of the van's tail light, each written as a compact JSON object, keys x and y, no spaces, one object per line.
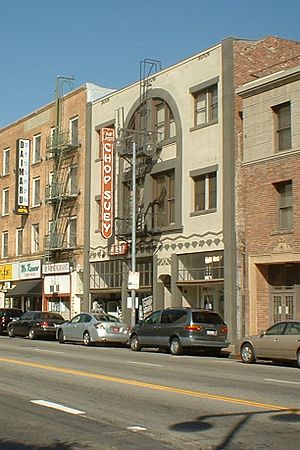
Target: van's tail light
{"x":224,"y":329}
{"x":44,"y":324}
{"x":193,"y":328}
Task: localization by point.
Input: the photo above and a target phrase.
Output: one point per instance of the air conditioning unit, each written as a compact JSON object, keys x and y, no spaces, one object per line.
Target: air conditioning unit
{"x":7,"y":285}
{"x":54,"y":288}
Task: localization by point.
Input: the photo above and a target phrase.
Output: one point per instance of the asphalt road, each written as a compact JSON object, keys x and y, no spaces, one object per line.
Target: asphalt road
{"x":69,"y":397}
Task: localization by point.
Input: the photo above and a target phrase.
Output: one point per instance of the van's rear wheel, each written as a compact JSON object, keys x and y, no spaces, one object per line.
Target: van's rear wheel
{"x":175,"y":346}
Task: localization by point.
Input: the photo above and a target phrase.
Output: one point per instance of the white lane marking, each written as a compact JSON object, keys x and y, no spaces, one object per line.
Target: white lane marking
{"x":47,"y":351}
{"x":57,"y":406}
{"x":143,"y":364}
{"x":281,"y":381}
{"x":136,"y":428}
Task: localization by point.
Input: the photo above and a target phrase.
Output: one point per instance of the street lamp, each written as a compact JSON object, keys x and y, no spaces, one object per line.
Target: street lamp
{"x":148,"y":150}
{"x":119,"y":146}
{"x":133,"y":230}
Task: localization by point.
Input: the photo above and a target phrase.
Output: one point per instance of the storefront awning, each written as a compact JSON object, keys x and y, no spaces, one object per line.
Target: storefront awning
{"x":26,"y":287}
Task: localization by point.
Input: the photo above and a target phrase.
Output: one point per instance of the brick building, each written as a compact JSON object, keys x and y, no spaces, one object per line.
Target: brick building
{"x":271,"y":193}
{"x":42,"y":184}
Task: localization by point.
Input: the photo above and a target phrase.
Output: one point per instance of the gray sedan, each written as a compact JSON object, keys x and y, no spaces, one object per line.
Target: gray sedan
{"x":91,"y":328}
{"x":280,"y":342}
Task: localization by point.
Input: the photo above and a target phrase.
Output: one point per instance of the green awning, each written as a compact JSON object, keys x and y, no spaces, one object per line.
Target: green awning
{"x":25,"y":287}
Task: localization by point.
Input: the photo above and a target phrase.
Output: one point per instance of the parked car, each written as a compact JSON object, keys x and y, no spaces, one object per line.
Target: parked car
{"x":279,"y":342}
{"x":7,"y":315}
{"x":35,"y":324}
{"x":180,"y":328}
{"x":93,"y":327}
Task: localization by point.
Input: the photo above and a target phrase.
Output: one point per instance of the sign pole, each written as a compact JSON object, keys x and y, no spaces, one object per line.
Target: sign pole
{"x":133,"y":230}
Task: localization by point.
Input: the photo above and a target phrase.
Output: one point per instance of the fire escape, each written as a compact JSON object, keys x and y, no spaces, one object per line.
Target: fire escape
{"x":141,"y":132}
{"x":62,"y":190}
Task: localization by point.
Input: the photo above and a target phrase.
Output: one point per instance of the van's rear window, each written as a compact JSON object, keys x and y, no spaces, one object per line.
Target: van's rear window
{"x":207,"y":317}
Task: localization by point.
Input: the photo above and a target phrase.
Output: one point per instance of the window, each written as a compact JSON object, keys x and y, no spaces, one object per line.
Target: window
{"x":153,"y":318}
{"x":35,"y":238}
{"x":283,"y":126}
{"x":285,"y":205}
{"x":19,"y":242}
{"x":36,"y":199}
{"x":5,"y":202}
{"x":74,"y":131}
{"x":6,"y":158}
{"x":4,"y":244}
{"x":53,"y":136}
{"x":164,"y":199}
{"x":72,"y":182}
{"x":276,"y":329}
{"x":164,"y":121}
{"x":36,"y":155}
{"x":72,"y":232}
{"x":106,"y":274}
{"x":206,"y":105}
{"x":205,"y":192}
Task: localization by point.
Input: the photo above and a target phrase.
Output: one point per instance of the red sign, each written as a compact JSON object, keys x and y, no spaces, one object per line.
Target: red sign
{"x":107,"y":145}
{"x":118,"y":249}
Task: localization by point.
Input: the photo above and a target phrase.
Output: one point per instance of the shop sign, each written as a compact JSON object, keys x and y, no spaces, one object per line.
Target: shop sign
{"x":147,"y":304}
{"x":6,"y":272}
{"x":56,"y":268}
{"x":133,"y":280}
{"x":30,"y":269}
{"x":22,"y":177}
{"x":57,"y":285}
{"x":106,"y":216}
{"x":119,"y":249}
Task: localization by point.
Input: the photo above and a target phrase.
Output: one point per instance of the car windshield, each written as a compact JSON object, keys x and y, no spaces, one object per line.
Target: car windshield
{"x":207,"y":317}
{"x":105,"y":318}
{"x":46,"y":316}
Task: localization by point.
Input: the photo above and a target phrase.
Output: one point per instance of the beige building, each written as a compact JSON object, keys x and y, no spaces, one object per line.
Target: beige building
{"x":271,"y":194}
{"x":181,"y":124}
{"x":42,"y":184}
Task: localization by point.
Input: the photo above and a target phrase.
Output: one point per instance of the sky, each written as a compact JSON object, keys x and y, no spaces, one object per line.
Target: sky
{"x":103,"y":41}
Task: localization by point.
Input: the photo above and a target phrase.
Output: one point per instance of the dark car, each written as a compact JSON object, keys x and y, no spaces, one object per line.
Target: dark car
{"x":178,"y":329}
{"x":35,"y":324}
{"x":279,"y":342}
{"x":7,"y":315}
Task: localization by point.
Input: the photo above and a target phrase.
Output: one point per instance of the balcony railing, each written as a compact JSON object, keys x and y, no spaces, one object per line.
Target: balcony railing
{"x":200,"y":274}
{"x":59,"y":241}
{"x":57,"y":191}
{"x":61,"y":142}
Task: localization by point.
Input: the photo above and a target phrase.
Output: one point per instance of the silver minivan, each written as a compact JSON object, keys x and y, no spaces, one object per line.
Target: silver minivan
{"x":178,"y":329}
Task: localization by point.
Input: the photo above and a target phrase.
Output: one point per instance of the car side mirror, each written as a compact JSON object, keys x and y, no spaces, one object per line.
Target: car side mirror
{"x":262,"y":333}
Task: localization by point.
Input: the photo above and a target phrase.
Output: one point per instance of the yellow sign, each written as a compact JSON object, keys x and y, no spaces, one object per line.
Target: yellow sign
{"x":6,"y":272}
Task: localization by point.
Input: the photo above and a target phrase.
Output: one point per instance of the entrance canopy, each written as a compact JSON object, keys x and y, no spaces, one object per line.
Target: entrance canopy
{"x":26,"y":287}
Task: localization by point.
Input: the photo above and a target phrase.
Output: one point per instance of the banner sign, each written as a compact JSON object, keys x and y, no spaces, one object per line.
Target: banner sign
{"x":107,"y":145}
{"x":30,"y":269}
{"x":6,"y":272}
{"x":56,"y":268}
{"x":22,"y":176}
